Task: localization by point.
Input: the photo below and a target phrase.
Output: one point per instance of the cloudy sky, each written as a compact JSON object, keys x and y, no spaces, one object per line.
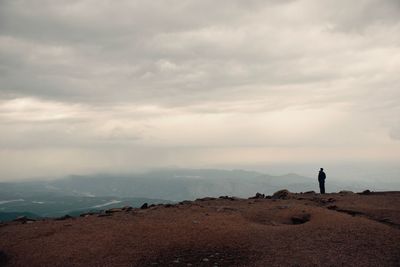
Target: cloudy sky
{"x":119,"y":86}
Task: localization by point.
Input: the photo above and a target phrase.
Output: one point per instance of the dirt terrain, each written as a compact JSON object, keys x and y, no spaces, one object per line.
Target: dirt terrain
{"x":340,"y":229}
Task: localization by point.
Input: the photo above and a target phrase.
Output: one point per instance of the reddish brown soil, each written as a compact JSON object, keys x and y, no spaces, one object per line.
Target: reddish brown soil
{"x":343,"y":230}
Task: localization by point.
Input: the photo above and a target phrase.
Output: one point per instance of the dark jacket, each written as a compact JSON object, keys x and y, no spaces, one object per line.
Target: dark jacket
{"x":321,"y":176}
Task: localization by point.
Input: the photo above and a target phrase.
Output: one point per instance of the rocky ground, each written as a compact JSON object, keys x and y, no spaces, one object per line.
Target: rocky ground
{"x":340,"y":229}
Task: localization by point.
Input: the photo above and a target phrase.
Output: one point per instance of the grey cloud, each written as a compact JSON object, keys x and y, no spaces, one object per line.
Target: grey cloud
{"x":357,"y":16}
{"x":199,"y":73}
{"x":71,"y":51}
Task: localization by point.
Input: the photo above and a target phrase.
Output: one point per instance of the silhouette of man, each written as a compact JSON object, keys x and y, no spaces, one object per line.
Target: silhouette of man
{"x":321,"y":180}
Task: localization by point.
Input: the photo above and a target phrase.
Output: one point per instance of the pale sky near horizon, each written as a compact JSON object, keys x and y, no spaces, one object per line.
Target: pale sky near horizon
{"x":108,"y":86}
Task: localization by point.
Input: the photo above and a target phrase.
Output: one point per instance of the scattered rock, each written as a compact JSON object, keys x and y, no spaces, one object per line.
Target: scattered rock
{"x":332,"y":207}
{"x":206,"y":260}
{"x":301,"y":219}
{"x":168,"y":205}
{"x":24,"y":219}
{"x":281,"y":194}
{"x":65,"y":217}
{"x":206,"y":199}
{"x":127,"y":208}
{"x":227,"y":197}
{"x":87,"y":214}
{"x":144,"y":206}
{"x":113,"y":210}
{"x":185,"y":202}
{"x":258,"y":196}
{"x":309,"y":192}
{"x":365,"y":192}
{"x":385,"y":220}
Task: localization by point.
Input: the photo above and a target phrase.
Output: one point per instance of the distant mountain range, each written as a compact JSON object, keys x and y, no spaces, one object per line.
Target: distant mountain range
{"x":74,"y":194}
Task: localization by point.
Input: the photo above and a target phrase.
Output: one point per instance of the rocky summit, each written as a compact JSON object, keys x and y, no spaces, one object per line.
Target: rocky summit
{"x":286,"y":229}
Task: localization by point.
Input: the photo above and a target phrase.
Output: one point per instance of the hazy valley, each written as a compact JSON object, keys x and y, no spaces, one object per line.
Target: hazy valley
{"x":74,"y":195}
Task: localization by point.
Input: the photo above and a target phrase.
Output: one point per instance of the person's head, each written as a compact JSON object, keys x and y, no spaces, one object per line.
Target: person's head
{"x":321,"y":170}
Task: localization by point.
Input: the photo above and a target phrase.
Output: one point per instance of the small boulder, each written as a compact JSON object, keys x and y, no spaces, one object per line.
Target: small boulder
{"x":144,"y":206}
{"x":127,"y":208}
{"x":227,"y":197}
{"x":309,"y":192}
{"x":205,"y":199}
{"x":87,"y":214}
{"x":258,"y":196}
{"x":24,"y":219}
{"x":281,"y":194}
{"x":113,"y":210}
{"x":185,"y":202}
{"x":365,"y":192}
{"x":385,"y":220}
{"x":62,"y":218}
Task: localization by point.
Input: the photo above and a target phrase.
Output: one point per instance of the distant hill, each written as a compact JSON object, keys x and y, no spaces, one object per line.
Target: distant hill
{"x":169,"y":184}
{"x":182,"y":184}
{"x":76,"y":194}
{"x":9,"y":216}
{"x":47,"y":205}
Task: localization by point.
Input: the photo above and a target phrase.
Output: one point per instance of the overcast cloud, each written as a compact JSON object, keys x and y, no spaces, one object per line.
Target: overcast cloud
{"x":117,"y":86}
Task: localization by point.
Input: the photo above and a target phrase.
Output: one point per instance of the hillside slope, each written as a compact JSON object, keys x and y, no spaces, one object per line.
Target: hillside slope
{"x":298,"y":230}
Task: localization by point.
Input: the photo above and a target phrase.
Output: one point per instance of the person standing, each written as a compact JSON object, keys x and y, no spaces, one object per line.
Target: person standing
{"x":321,"y":180}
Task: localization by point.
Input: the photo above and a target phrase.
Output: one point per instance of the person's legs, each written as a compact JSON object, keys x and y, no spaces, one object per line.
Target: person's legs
{"x":322,"y":187}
